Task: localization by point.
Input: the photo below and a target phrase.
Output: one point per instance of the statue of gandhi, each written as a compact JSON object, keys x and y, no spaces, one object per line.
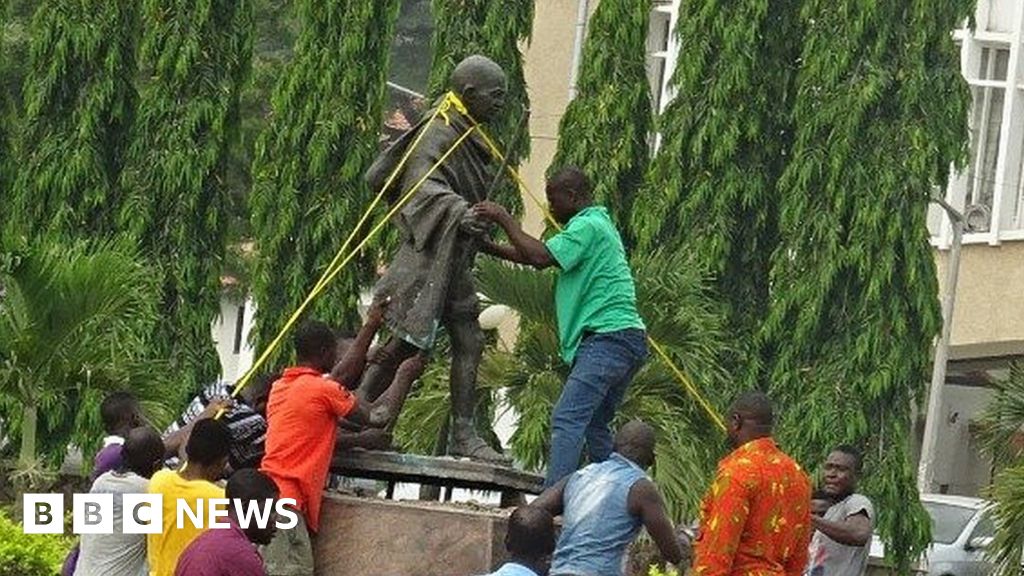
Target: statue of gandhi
{"x":430,"y":282}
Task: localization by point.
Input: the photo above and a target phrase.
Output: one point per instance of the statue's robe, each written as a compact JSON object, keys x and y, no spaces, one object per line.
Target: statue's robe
{"x":430,"y":280}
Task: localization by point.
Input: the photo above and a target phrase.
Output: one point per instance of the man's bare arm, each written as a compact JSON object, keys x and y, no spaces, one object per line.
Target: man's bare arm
{"x":551,"y":499}
{"x":528,"y":249}
{"x":855,"y":530}
{"x":646,"y":503}
{"x":503,"y":251}
{"x":350,"y":368}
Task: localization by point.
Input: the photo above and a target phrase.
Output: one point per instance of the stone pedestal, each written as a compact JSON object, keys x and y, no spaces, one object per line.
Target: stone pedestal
{"x":370,"y":537}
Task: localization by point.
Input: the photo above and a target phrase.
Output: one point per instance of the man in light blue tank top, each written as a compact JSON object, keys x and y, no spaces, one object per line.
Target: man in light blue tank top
{"x":603,"y":507}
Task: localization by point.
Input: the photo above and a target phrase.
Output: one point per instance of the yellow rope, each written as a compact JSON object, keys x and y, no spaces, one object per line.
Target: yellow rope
{"x":334,"y":268}
{"x":686,"y":382}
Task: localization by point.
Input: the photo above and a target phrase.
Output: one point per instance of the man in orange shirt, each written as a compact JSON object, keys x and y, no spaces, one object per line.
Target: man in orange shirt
{"x":302,"y":420}
{"x":755,"y":521}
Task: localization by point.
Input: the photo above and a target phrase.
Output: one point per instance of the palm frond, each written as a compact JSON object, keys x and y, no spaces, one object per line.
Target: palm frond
{"x":73,"y":327}
{"x":1003,"y":419}
{"x":1007,"y":493}
{"x":672,"y":296}
{"x":530,"y":293}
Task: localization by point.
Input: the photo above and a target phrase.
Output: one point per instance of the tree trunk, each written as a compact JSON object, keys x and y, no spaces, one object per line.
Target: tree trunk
{"x":26,"y":457}
{"x":28,"y":436}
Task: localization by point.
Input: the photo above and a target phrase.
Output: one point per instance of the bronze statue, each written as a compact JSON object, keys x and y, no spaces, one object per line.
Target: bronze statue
{"x":430,"y":280}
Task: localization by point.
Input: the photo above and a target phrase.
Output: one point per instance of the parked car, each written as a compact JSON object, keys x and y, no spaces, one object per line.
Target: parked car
{"x":961,"y":531}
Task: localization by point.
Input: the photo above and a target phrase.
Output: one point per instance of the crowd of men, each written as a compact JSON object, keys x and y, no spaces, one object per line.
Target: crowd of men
{"x":278,"y":438}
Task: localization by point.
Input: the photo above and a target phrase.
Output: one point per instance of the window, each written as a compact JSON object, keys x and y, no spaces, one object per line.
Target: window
{"x":990,"y":190}
{"x":985,"y":528}
{"x":989,"y":99}
{"x":661,"y":55}
{"x":659,"y":37}
{"x":948,"y":521}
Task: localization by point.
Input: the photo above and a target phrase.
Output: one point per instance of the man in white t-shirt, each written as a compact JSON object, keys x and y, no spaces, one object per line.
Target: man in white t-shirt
{"x":842,"y":539}
{"x":119,"y":554}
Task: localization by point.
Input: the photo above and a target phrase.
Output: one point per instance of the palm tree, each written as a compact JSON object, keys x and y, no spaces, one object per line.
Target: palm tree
{"x":1000,"y":433}
{"x":673,"y":300}
{"x":73,"y":320}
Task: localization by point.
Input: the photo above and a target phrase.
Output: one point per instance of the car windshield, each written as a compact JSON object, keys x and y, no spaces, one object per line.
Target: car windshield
{"x":948,"y":521}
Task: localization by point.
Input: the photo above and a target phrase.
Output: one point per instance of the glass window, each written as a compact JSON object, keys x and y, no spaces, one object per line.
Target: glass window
{"x":948,"y":521}
{"x":986,"y":123}
{"x":985,"y":528}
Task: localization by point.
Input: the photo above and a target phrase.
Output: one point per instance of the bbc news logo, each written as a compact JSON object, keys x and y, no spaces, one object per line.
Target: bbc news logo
{"x":143,"y":513}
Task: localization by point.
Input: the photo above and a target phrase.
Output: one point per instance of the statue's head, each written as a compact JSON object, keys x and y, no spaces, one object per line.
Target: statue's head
{"x":481,"y":84}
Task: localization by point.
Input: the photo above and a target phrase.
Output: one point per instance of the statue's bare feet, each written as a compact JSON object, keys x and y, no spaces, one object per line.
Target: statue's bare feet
{"x":474,"y":448}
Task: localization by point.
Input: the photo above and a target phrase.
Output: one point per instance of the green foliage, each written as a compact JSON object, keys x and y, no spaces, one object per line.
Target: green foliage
{"x":308,"y":190}
{"x":195,"y":58}
{"x":72,"y":328}
{"x":29,"y":554}
{"x":1000,"y":435}
{"x":5,"y":115}
{"x":606,"y":128}
{"x":275,"y":27}
{"x":78,"y":102}
{"x":14,"y":18}
{"x":711,"y":189}
{"x":1001,"y":422}
{"x":493,"y":28}
{"x":674,"y":301}
{"x":1007,"y":547}
{"x":879,"y":112}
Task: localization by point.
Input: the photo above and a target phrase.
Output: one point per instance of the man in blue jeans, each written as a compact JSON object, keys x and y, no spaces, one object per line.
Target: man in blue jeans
{"x":600,"y":332}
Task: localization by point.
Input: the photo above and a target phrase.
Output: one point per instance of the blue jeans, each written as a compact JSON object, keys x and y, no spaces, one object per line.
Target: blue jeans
{"x":601,"y":372}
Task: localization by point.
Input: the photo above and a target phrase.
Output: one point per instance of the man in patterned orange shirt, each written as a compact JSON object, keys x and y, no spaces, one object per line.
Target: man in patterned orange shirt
{"x":755,"y":521}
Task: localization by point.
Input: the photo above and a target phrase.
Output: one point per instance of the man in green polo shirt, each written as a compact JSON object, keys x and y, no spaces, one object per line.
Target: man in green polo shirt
{"x":600,"y":332}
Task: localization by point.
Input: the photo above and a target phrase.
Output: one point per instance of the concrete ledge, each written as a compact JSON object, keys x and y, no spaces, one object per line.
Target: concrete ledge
{"x":369,"y":537}
{"x":435,"y":471}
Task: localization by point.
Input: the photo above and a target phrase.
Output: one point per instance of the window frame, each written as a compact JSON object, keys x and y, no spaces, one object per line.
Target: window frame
{"x":1006,"y":222}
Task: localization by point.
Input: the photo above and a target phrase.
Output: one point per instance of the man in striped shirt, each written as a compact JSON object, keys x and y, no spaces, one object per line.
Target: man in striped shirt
{"x":246,"y":420}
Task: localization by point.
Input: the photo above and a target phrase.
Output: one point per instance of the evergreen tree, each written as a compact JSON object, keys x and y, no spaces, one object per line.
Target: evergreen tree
{"x":5,"y":117}
{"x":606,"y":128}
{"x":880,"y":113}
{"x":308,"y":190}
{"x":79,"y":100}
{"x":711,"y":189}
{"x":14,"y":18}
{"x":492,"y":28}
{"x":195,"y":57}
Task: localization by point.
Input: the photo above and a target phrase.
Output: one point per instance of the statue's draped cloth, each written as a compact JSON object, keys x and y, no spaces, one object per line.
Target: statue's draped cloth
{"x":430,"y":280}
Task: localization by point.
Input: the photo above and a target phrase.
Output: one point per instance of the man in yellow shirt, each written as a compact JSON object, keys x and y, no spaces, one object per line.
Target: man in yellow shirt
{"x":192,"y":486}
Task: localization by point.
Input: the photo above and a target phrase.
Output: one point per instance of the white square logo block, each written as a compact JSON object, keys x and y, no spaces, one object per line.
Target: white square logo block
{"x":142,"y":514}
{"x":93,"y":514}
{"x":43,"y":513}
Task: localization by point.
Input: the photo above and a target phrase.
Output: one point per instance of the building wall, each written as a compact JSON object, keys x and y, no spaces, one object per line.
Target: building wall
{"x":961,"y":468}
{"x":547,"y":64}
{"x":232,"y":339}
{"x":988,"y":313}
